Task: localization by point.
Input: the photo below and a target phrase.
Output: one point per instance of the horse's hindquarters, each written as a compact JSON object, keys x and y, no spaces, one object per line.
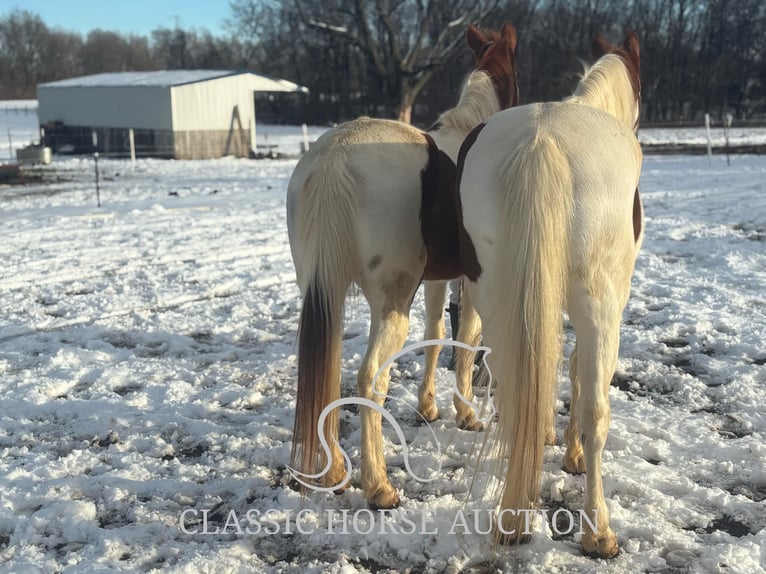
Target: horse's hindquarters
{"x":548,"y":194}
{"x":358,"y":191}
{"x":387,"y":231}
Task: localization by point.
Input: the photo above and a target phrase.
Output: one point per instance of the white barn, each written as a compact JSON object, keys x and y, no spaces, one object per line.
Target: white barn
{"x":184,"y":114}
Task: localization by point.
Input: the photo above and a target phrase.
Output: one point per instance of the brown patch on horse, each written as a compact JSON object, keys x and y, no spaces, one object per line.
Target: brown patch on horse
{"x":600,"y":46}
{"x":630,"y":54}
{"x":479,"y":41}
{"x":438,"y":215}
{"x":495,"y":55}
{"x":469,"y":263}
{"x":374,"y":262}
{"x":638,"y":223}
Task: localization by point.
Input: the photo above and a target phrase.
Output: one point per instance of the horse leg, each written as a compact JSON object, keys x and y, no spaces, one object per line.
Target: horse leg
{"x":435,"y":292}
{"x":388,"y":331}
{"x":573,"y":463}
{"x":469,"y":332}
{"x":595,"y":313}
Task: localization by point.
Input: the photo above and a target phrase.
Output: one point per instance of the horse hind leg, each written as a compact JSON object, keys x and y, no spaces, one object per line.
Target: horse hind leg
{"x":435,"y":292}
{"x":469,"y":332}
{"x":390,"y":321}
{"x":595,"y":313}
{"x":574,"y":461}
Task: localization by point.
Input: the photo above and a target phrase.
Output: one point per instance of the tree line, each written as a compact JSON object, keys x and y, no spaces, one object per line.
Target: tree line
{"x":406,"y":58}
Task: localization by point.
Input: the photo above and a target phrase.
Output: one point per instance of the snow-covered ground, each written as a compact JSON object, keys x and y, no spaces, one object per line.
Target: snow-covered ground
{"x":738,"y":136}
{"x":147,"y":368}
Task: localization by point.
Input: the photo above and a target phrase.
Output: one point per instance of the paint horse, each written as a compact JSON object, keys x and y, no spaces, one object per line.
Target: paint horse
{"x":552,"y":219}
{"x":370,"y":203}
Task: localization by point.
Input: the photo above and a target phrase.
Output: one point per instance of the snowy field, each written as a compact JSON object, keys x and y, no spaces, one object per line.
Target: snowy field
{"x":147,"y":362}
{"x":738,"y":136}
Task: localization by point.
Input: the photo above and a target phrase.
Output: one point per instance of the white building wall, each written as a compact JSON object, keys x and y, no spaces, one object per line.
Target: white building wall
{"x":209,"y":105}
{"x":140,"y":107}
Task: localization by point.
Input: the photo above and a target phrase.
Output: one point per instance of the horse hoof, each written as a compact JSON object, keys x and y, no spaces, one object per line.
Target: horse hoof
{"x":340,"y":490}
{"x":430,"y":414}
{"x":384,"y":499}
{"x":574,"y":464}
{"x":469,"y":424}
{"x":337,"y":476}
{"x":506,"y":539}
{"x":600,"y":545}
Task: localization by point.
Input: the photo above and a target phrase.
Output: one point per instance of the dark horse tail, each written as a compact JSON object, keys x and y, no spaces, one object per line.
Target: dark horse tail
{"x":322,"y":242}
{"x":319,"y":342}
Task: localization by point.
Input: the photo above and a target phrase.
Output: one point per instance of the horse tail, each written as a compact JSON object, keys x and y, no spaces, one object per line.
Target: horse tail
{"x":532,"y":263}
{"x":321,"y":238}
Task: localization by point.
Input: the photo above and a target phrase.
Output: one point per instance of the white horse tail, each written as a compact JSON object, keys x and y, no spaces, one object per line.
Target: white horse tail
{"x":321,"y":208}
{"x":532,"y":262}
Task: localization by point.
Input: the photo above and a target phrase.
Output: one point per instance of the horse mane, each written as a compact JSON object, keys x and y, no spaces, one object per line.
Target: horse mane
{"x":612,"y":85}
{"x":490,"y":87}
{"x":478,"y":101}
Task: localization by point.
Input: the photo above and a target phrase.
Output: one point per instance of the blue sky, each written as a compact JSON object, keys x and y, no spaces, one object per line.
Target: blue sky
{"x":127,"y":16}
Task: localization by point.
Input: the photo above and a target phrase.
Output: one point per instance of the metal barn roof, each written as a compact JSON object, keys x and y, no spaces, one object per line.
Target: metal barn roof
{"x":171,"y":78}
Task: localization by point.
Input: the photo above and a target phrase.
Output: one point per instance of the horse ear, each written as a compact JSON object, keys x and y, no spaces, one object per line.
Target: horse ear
{"x":632,"y":47}
{"x":600,"y":46}
{"x":475,"y":40}
{"x":509,"y":35}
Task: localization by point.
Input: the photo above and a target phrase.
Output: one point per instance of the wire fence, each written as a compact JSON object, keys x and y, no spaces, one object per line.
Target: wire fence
{"x":19,"y":128}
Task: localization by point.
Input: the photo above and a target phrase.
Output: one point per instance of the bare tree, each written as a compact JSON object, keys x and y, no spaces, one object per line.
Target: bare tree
{"x":274,"y":40}
{"x":214,"y":53}
{"x":170,"y":48}
{"x":23,"y":38}
{"x":67,"y":47}
{"x":106,"y":51}
{"x":744,"y":45}
{"x":402,"y":42}
{"x":375,"y":57}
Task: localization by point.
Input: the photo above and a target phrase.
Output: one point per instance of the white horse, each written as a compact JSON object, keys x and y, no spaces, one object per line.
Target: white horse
{"x":552,"y":219}
{"x":372,"y":202}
